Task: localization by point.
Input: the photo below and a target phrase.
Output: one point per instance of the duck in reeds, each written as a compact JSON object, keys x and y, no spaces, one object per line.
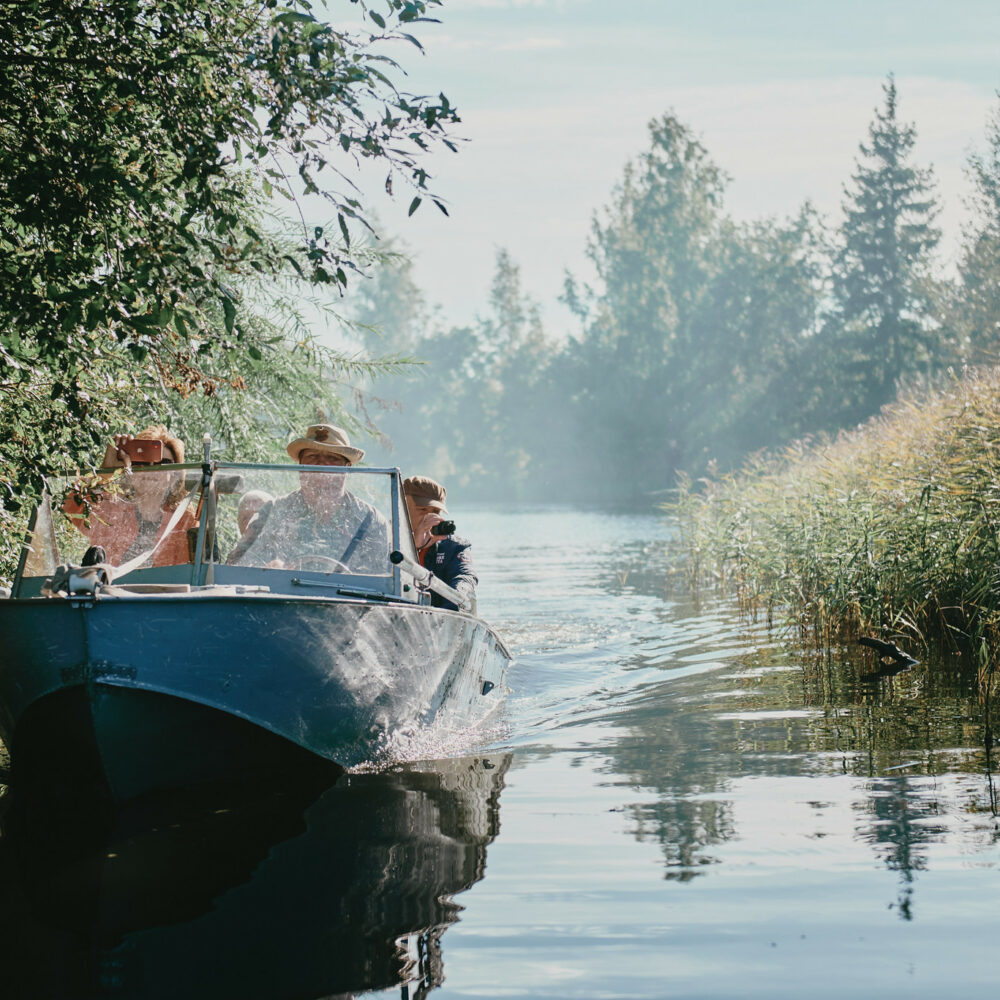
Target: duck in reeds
{"x":898,"y":659}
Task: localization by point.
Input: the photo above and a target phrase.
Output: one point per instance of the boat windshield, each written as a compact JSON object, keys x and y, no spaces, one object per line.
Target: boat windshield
{"x":310,"y":520}
{"x":144,"y":518}
{"x":327,"y":519}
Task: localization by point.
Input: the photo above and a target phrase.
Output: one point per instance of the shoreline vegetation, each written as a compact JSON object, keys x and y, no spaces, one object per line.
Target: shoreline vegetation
{"x":889,"y":530}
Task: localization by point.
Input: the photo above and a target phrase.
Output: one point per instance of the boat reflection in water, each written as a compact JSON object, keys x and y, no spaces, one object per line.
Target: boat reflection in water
{"x":304,"y":893}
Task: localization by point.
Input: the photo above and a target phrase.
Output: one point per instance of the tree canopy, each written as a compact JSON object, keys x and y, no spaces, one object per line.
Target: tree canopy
{"x":140,"y":141}
{"x":702,"y":338}
{"x":698,"y":322}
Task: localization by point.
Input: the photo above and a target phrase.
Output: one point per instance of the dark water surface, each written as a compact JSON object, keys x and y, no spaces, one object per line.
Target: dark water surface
{"x":675,"y":804}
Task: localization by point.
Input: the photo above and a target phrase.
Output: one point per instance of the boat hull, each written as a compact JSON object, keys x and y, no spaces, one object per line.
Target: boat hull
{"x":157,"y":692}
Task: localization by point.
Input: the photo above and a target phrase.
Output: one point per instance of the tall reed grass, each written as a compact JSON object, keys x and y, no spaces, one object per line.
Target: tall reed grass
{"x":893,"y":528}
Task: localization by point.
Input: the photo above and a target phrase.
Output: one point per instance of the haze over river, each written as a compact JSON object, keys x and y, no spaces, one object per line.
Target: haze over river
{"x":675,"y":804}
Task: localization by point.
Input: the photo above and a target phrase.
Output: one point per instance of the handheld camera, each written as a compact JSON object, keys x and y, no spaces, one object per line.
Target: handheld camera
{"x":144,"y":452}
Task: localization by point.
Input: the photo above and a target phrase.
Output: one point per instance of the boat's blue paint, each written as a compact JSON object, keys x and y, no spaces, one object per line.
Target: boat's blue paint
{"x":330,"y":675}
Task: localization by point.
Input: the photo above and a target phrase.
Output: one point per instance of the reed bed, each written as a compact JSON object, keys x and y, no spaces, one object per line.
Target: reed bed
{"x":892,"y":529}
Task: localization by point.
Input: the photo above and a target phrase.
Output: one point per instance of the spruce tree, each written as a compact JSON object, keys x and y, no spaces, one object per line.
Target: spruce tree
{"x":885,"y":321}
{"x":975,"y":310}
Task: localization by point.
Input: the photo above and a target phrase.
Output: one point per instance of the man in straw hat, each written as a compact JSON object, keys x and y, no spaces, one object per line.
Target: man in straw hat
{"x":447,"y":557}
{"x":321,"y":525}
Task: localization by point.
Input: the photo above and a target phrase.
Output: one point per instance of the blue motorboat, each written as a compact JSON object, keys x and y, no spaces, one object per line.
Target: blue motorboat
{"x":157,"y":637}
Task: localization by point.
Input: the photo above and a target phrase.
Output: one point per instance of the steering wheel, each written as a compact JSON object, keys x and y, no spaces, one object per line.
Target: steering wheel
{"x":319,"y":564}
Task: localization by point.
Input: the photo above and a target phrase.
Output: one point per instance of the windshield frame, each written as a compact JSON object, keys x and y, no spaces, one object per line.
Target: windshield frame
{"x":201,"y":572}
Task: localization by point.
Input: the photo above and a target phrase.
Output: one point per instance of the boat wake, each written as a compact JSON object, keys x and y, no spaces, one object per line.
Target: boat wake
{"x":438,"y":741}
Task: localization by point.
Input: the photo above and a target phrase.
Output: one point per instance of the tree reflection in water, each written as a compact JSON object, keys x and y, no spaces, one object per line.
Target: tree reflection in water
{"x":304,"y":892}
{"x":779,"y":710}
{"x":901,"y":822}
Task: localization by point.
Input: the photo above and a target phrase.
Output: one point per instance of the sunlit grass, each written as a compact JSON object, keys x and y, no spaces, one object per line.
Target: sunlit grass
{"x":891,"y":529}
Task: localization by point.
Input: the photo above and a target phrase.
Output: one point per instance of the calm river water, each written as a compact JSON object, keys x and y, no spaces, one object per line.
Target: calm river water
{"x":675,"y":804}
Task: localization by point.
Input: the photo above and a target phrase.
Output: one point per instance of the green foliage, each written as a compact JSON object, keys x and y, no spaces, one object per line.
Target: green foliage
{"x":698,"y":324}
{"x":137,"y":139}
{"x":655,"y":249}
{"x":702,"y":340}
{"x":892,"y":528}
{"x":254,"y":393}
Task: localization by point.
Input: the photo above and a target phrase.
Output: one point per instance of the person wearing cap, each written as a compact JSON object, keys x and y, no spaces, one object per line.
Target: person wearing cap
{"x":321,"y":525}
{"x":447,"y":557}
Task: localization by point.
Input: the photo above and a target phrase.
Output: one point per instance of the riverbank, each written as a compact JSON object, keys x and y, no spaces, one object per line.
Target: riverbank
{"x":890,"y":529}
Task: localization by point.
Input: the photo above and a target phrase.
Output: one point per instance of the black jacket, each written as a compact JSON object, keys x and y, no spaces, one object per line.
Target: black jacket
{"x":450,"y":559}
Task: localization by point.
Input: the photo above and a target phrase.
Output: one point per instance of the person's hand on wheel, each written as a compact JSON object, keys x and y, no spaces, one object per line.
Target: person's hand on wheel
{"x":319,"y":564}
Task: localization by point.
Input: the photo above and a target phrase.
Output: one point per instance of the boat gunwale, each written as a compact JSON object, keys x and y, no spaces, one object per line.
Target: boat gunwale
{"x":224,"y":594}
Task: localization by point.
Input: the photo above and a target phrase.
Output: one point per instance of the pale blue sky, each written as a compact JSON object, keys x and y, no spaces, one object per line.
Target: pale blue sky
{"x":555,"y":96}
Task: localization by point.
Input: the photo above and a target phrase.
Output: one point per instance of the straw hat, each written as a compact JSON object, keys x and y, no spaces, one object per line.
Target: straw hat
{"x":326,"y":437}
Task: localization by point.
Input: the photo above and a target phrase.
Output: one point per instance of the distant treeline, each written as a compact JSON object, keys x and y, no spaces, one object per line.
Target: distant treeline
{"x":703,"y":339}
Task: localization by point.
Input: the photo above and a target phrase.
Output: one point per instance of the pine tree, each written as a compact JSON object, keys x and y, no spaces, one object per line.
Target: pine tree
{"x":976,"y":308}
{"x":886,"y":327}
